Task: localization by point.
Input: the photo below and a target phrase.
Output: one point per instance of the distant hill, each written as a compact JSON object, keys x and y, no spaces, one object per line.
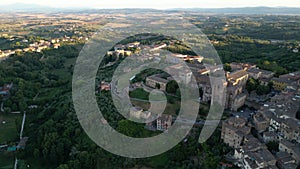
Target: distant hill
{"x":21,"y":7}
{"x":245,"y":10}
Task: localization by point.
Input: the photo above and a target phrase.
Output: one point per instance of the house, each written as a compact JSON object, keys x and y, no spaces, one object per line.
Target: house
{"x":261,"y":122}
{"x":40,"y":48}
{"x":164,"y":122}
{"x":234,"y":130}
{"x":238,"y":101}
{"x":254,"y":154}
{"x":56,"y":45}
{"x":157,"y":82}
{"x":235,"y":97}
{"x":5,"y":90}
{"x":275,"y":124}
{"x":292,"y":149}
{"x":133,"y":45}
{"x":284,"y":80}
{"x":203,"y":82}
{"x":254,"y":73}
{"x":54,"y":41}
{"x":291,"y":76}
{"x":139,"y":113}
{"x":269,"y":136}
{"x":290,"y":128}
{"x":261,"y":158}
{"x":264,"y":81}
{"x":241,"y":66}
{"x":260,"y":74}
{"x":285,"y":161}
{"x":280,"y":84}
{"x":198,"y":59}
{"x":238,"y":77}
{"x":180,"y":72}
{"x":105,"y":86}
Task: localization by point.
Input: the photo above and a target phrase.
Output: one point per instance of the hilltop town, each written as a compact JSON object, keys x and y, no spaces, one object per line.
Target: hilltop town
{"x":264,"y":123}
{"x":259,"y":127}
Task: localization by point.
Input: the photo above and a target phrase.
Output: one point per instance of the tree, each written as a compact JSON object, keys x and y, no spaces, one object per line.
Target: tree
{"x":251,"y":85}
{"x":129,"y":128}
{"x":227,"y":67}
{"x":261,"y":90}
{"x":7,"y":110}
{"x":178,"y":92}
{"x":273,"y":146}
{"x":63,"y":166}
{"x":36,"y":153}
{"x":172,"y":86}
{"x":157,"y":86}
{"x":270,"y":84}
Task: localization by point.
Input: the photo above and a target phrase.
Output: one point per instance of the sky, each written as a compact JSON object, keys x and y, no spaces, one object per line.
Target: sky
{"x":157,"y":4}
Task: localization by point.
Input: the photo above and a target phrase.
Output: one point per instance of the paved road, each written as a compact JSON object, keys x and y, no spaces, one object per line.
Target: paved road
{"x":200,"y":122}
{"x":2,"y":107}
{"x":22,"y":127}
{"x":16,"y":164}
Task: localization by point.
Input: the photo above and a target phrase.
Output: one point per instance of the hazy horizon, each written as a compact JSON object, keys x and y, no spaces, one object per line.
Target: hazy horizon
{"x":156,"y":4}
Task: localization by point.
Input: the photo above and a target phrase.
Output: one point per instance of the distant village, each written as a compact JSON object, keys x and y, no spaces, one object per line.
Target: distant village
{"x":41,"y":45}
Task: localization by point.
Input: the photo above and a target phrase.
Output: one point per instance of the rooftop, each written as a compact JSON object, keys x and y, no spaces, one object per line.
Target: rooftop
{"x":236,"y":75}
{"x":158,"y":79}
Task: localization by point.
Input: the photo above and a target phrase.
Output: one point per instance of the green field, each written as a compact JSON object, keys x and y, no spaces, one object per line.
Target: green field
{"x":139,"y":94}
{"x":9,"y":131}
{"x":6,"y":162}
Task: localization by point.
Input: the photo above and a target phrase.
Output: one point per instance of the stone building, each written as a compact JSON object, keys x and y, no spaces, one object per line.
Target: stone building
{"x":139,"y":113}
{"x":157,"y":82}
{"x":234,"y":130}
{"x":292,"y":149}
{"x":235,"y":97}
{"x":163,"y":122}
{"x":261,"y":122}
{"x":260,"y":74}
{"x":290,"y":128}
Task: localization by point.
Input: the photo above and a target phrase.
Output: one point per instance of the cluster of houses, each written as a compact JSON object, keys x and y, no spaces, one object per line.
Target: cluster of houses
{"x":276,"y":120}
{"x":252,"y":153}
{"x":41,"y":45}
{"x":6,"y":53}
{"x":134,"y":47}
{"x":124,"y":50}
